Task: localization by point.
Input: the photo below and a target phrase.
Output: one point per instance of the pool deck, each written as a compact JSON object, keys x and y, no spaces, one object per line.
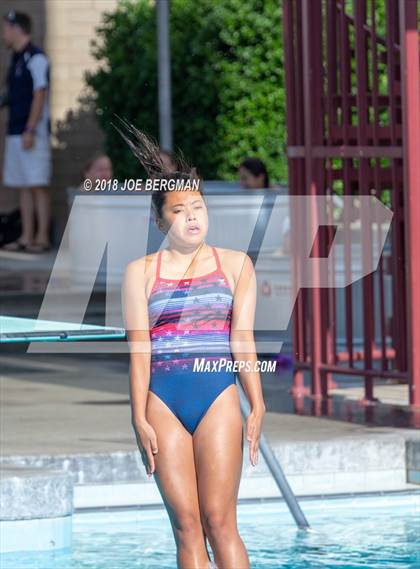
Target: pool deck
{"x":72,"y":413}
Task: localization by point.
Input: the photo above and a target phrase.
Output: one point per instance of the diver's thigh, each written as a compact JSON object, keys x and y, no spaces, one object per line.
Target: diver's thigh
{"x":218,"y":453}
{"x":175,"y":473}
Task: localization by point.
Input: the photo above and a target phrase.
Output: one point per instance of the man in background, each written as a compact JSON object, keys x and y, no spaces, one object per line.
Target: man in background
{"x":27,"y":156}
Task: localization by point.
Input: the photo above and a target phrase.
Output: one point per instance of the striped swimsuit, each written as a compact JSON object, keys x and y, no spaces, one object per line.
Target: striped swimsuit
{"x":190,"y":319}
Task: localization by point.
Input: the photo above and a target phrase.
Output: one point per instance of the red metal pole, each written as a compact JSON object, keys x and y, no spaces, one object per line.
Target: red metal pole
{"x":331,"y":101}
{"x":410,"y":77}
{"x":311,"y":186}
{"x":362,"y":128}
{"x":294,"y":129}
{"x":376,"y":175}
{"x":399,"y":302}
{"x":345,"y":88}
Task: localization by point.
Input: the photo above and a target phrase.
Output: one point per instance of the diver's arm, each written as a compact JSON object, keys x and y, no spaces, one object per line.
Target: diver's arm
{"x":136,"y":323}
{"x":242,"y":333}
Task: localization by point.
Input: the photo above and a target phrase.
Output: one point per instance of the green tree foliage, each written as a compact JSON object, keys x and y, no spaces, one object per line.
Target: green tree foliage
{"x":125,"y":82}
{"x":227,"y":82}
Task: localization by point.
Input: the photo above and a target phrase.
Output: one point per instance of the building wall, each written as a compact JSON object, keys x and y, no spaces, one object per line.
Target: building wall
{"x":64,"y":29}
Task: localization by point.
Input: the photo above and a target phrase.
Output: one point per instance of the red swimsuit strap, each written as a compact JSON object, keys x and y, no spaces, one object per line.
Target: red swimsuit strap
{"x":216,"y":255}
{"x":159,"y":255}
{"x":159,"y":259}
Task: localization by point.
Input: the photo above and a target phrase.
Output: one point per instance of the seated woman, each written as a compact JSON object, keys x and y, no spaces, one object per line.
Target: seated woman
{"x":98,"y":167}
{"x":253,"y":174}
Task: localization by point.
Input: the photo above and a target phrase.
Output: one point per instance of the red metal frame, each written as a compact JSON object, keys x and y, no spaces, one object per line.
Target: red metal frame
{"x":335,"y":53}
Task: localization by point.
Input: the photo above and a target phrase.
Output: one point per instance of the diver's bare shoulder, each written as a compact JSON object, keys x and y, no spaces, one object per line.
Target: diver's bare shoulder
{"x":142,"y":271}
{"x":233,"y":263}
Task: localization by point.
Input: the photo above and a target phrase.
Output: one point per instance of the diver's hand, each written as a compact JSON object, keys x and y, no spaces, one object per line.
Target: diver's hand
{"x":253,"y":433}
{"x":147,"y":443}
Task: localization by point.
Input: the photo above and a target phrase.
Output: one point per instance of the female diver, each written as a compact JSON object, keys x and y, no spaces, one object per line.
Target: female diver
{"x":192,"y":302}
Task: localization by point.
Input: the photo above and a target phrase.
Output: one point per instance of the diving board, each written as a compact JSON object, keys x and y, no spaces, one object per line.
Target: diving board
{"x":16,"y":329}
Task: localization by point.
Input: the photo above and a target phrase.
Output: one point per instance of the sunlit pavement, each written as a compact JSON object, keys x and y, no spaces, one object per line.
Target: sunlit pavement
{"x":67,"y":405}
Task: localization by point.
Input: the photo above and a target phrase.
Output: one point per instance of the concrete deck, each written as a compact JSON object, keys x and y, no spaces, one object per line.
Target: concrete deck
{"x":62,"y":404}
{"x":72,"y":412}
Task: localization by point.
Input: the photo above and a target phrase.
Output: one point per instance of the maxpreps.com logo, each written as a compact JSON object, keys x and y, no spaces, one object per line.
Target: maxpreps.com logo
{"x":235,"y":366}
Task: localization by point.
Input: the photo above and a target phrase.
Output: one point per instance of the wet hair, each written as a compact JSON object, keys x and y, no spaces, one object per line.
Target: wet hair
{"x":169,"y":155}
{"x":146,"y":150}
{"x":19,"y":19}
{"x":256,"y":167}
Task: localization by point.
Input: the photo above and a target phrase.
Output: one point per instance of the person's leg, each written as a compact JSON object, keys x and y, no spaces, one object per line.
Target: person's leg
{"x":175,"y":477}
{"x":43,"y":213}
{"x":27,"y":215}
{"x":218,"y":451}
{"x":14,"y":177}
{"x":37,"y":167}
{"x":26,"y":205}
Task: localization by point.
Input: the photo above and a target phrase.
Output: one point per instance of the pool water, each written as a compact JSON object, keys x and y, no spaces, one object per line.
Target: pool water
{"x":353,"y":532}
